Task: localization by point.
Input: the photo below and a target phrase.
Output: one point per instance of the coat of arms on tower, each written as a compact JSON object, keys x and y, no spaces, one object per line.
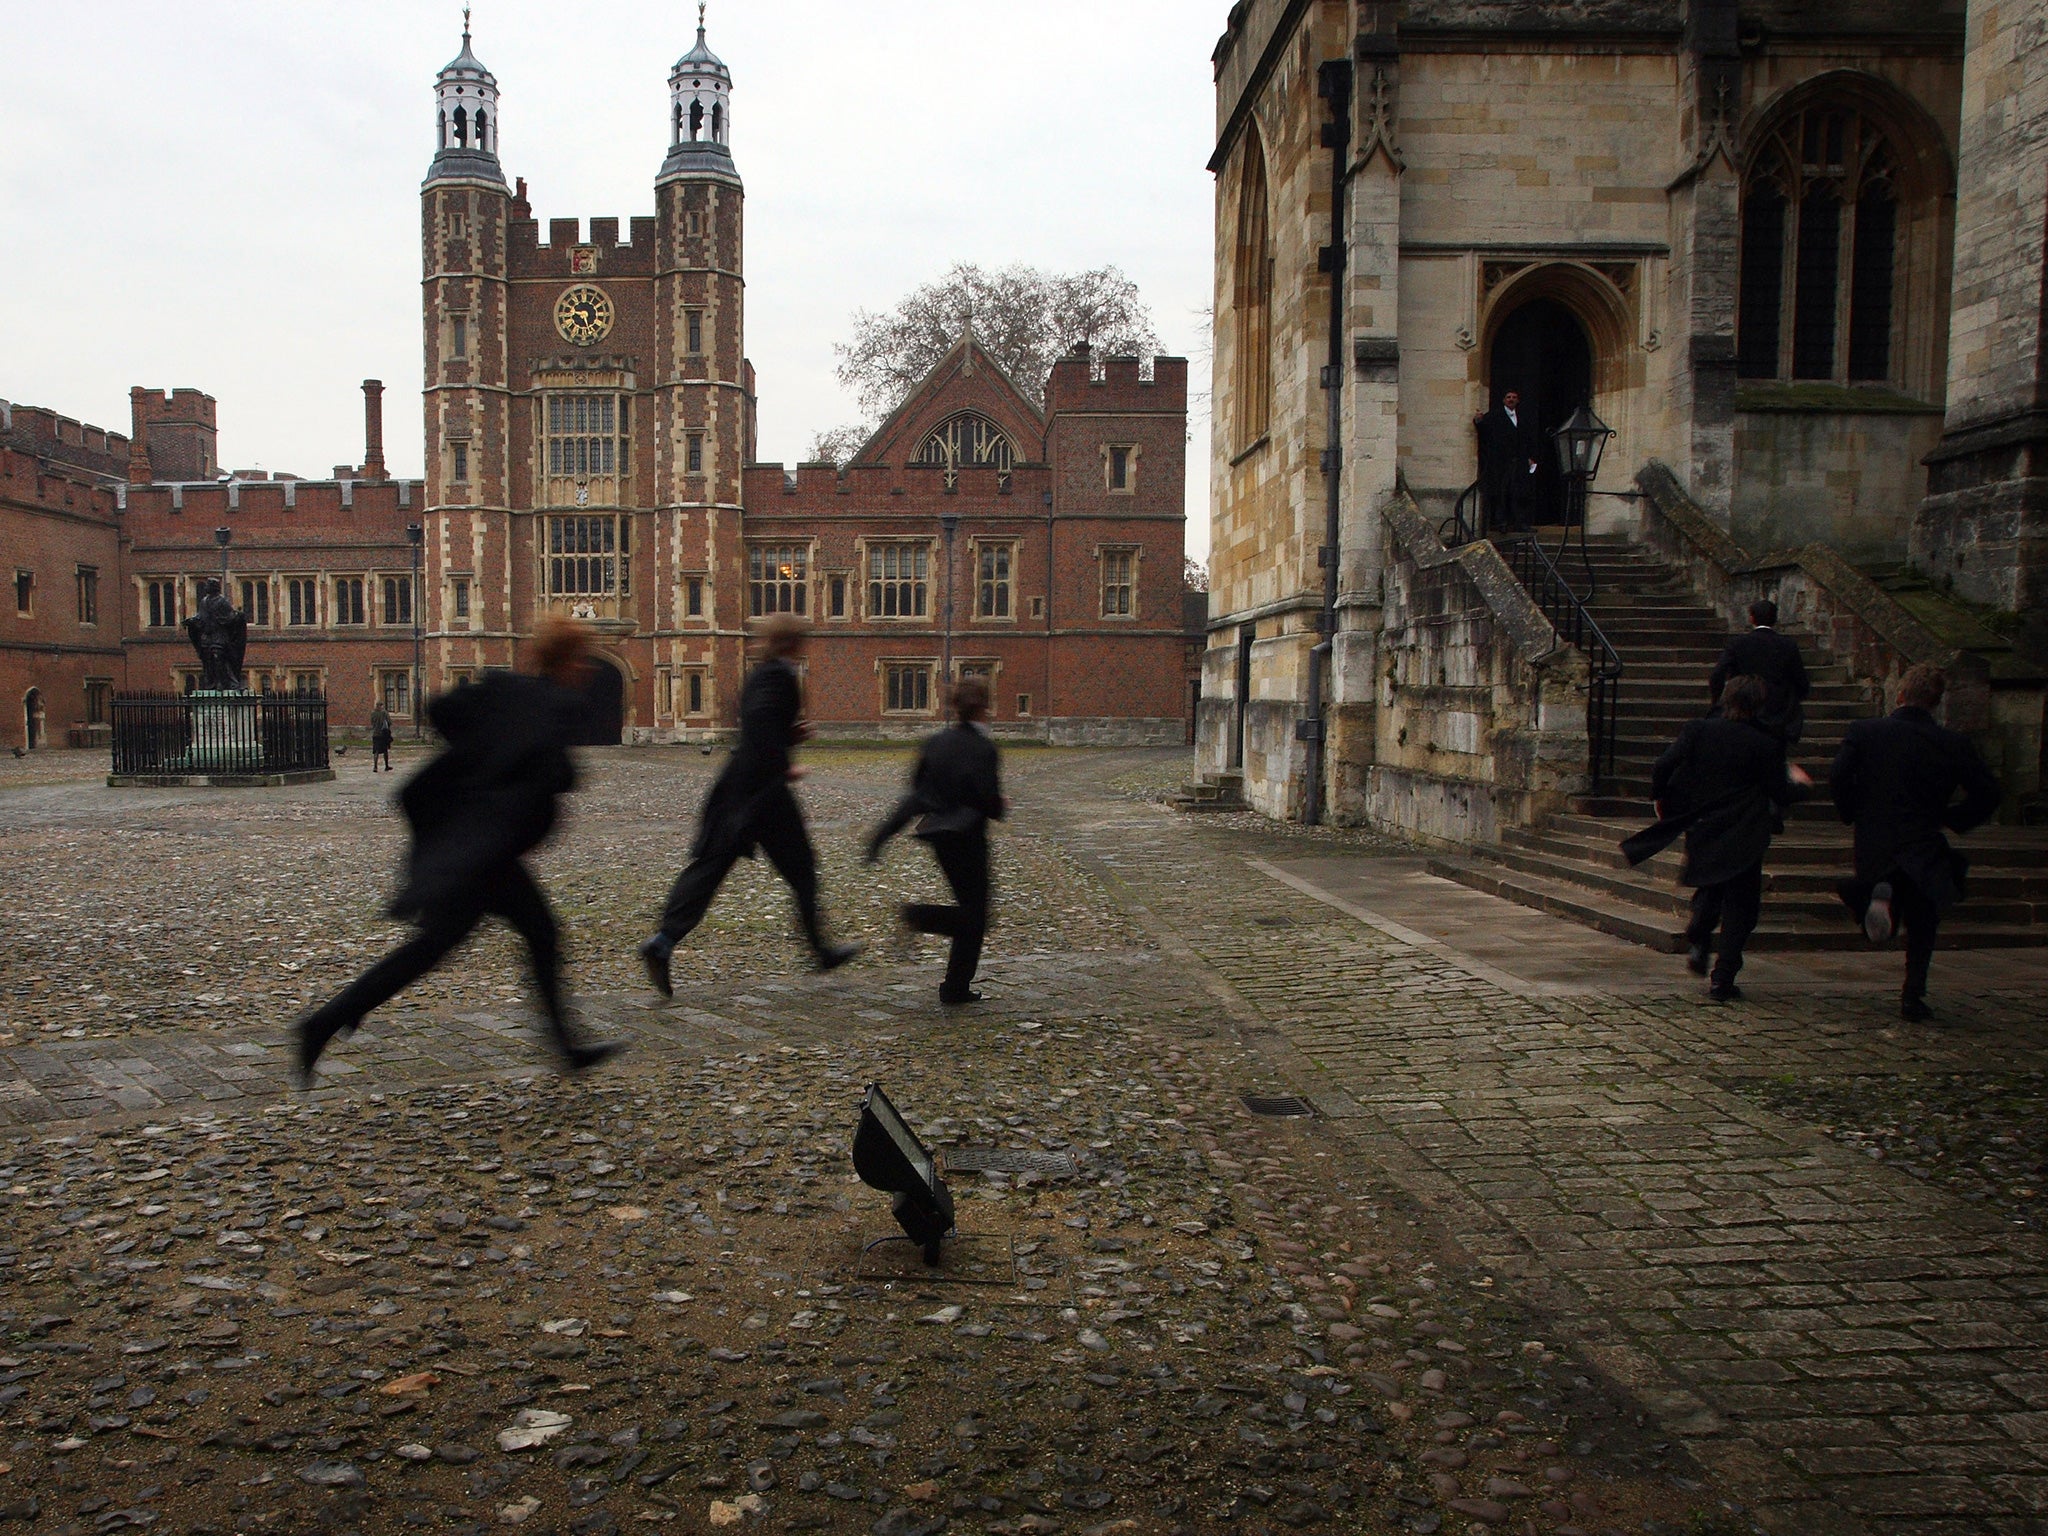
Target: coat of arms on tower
{"x":582,"y":260}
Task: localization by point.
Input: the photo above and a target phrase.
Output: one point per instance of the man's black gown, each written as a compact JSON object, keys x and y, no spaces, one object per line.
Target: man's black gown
{"x":1505,"y":483}
{"x":1723,"y":787}
{"x":751,"y":806}
{"x":475,"y":809}
{"x":955,"y":792}
{"x":1774,"y":660}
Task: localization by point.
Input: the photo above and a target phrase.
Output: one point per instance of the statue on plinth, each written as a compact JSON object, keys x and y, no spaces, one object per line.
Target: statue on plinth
{"x":220,"y":634}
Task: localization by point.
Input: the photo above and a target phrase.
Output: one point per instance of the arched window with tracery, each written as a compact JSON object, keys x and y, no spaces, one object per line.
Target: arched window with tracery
{"x":1821,"y":248}
{"x":1251,"y":382}
{"x":968,"y":441}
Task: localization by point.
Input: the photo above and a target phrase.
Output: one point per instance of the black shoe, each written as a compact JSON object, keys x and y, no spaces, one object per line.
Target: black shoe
{"x":1725,"y":992}
{"x":958,"y":999}
{"x":833,"y":956}
{"x":655,"y":952}
{"x":309,"y":1039}
{"x":1696,"y":959}
{"x":579,"y":1059}
{"x":1914,"y":1010}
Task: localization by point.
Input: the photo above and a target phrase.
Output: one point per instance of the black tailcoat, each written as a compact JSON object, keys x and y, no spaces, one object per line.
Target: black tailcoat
{"x":1723,"y":787}
{"x":1895,"y":780}
{"x":1774,"y":660}
{"x":490,"y":795}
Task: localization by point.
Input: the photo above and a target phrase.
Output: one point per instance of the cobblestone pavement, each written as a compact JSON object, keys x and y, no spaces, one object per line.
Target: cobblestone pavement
{"x":1543,"y":1262}
{"x":1850,"y":1347}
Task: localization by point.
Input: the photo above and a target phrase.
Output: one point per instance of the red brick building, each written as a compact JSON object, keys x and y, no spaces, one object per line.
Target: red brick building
{"x":589,"y":432}
{"x":589,"y":417}
{"x":60,"y":621}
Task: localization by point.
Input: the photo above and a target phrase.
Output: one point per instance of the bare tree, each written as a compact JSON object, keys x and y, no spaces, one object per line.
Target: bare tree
{"x":838,"y":445}
{"x":1024,"y":318}
{"x":1194,"y":574}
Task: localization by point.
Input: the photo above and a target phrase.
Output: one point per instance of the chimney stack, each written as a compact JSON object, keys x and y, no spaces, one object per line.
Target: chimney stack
{"x":138,"y":438}
{"x":373,"y":429}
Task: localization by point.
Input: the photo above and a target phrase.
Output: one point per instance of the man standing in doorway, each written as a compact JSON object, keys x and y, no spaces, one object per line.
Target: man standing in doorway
{"x":1509,"y":445}
{"x":751,"y":805}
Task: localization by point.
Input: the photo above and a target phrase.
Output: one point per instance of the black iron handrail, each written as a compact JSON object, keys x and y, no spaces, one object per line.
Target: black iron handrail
{"x":1459,"y":529}
{"x":218,"y":734}
{"x":1568,"y":614}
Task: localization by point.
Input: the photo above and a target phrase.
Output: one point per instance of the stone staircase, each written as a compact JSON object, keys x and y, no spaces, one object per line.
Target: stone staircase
{"x":1668,"y":641}
{"x":1212,"y":792}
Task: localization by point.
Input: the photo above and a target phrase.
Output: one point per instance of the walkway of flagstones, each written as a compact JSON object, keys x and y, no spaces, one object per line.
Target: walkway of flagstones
{"x":1582,"y":1279}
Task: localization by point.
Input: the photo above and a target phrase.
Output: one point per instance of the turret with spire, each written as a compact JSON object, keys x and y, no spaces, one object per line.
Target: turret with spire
{"x":466,"y":128}
{"x":700,"y":114}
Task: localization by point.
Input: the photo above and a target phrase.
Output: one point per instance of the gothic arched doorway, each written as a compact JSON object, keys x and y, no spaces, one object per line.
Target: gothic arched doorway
{"x":32,"y":718}
{"x":1542,"y":350}
{"x":604,"y":705}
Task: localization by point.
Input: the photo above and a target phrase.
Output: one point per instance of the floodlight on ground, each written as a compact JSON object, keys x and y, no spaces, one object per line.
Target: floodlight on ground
{"x":888,"y":1156}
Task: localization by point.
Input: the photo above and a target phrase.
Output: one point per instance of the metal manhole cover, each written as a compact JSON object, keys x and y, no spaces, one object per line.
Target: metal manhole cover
{"x":1046,"y":1165}
{"x":1284,"y":1105}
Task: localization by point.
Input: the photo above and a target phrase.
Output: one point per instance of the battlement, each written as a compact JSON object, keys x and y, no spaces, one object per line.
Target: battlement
{"x":37,"y":430}
{"x":1082,"y":382}
{"x":35,"y":477}
{"x":873,"y":485}
{"x":173,"y":435}
{"x":281,"y":506}
{"x":633,"y":257}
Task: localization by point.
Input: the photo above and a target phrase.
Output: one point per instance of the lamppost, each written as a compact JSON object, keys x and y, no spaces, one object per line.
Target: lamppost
{"x":416,"y":535}
{"x":951,"y":523}
{"x":224,"y":537}
{"x":1580,"y":442}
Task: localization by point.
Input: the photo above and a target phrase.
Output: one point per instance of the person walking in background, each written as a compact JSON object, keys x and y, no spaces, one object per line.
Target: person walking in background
{"x":751,"y":805}
{"x":1895,"y":781}
{"x":1723,"y":785}
{"x":955,"y":792}
{"x":475,"y":810}
{"x":380,"y":736}
{"x":1774,"y":658}
{"x":1509,"y":445}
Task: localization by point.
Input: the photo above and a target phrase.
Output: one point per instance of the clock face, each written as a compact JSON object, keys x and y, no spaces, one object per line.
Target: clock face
{"x":583,"y":315}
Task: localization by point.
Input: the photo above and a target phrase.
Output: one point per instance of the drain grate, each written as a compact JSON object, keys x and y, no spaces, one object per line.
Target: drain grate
{"x":1046,"y":1165}
{"x":1280,"y":1106}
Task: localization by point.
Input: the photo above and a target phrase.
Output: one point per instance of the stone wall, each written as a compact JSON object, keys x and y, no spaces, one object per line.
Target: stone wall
{"x":1847,"y":478}
{"x":1481,"y":717}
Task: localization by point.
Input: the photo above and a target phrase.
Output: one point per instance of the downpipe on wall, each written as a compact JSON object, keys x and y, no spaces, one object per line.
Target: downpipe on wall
{"x":1333,"y":84}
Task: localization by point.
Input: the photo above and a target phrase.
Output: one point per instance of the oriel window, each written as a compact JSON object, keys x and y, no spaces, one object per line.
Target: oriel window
{"x":583,"y":435}
{"x":587,"y":556}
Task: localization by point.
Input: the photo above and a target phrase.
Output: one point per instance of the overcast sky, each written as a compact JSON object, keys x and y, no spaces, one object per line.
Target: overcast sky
{"x":224,"y":194}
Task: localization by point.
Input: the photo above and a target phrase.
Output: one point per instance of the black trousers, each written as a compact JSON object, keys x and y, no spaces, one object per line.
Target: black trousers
{"x":963,"y":858}
{"x":1734,"y":906}
{"x":508,"y":892}
{"x":780,"y":835}
{"x":1914,"y":913}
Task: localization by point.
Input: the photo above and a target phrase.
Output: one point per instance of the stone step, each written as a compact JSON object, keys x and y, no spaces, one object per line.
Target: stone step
{"x":1663,"y":930}
{"x":1802,"y":895}
{"x":1797,"y":863}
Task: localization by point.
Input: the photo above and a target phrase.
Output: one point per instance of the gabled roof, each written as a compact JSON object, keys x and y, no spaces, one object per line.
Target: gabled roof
{"x":966,"y":379}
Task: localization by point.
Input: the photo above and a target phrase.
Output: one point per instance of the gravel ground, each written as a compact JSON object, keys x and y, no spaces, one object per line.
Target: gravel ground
{"x":1981,"y":1135}
{"x":644,"y":1298}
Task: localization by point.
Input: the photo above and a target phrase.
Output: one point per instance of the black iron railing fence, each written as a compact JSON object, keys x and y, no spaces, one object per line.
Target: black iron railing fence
{"x":1567,"y":612}
{"x":1462,"y":526}
{"x":219,"y":734}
